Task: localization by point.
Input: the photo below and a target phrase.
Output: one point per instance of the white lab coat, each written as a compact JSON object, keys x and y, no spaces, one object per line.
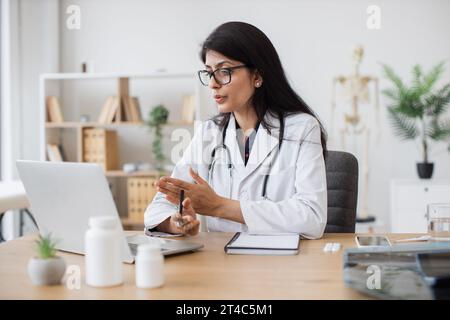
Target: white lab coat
{"x":296,"y":189}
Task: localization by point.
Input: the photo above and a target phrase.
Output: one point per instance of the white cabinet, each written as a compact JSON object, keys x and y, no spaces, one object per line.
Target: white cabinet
{"x":409,"y":199}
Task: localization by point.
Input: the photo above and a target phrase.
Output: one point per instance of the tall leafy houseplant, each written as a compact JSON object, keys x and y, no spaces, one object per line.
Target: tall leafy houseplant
{"x":416,"y":110}
{"x":157,"y":117}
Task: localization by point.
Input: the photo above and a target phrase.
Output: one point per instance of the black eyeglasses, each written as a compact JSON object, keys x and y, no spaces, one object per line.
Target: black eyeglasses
{"x":221,"y":75}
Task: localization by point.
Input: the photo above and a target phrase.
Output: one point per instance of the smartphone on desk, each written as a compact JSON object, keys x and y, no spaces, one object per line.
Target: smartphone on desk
{"x":364,"y":241}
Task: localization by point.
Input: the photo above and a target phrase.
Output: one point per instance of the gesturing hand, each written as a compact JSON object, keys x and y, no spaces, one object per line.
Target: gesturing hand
{"x":203,"y":198}
{"x":185,"y":223}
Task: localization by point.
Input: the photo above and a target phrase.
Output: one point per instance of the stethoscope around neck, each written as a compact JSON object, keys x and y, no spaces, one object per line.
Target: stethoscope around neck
{"x":230,"y":166}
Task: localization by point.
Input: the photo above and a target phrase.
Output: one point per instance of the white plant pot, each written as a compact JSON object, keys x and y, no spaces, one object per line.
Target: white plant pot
{"x":43,"y":272}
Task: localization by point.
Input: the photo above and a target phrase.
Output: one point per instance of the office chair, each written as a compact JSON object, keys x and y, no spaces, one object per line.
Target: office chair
{"x":342,"y":187}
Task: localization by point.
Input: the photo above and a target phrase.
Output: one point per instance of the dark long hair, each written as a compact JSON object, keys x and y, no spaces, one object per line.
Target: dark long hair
{"x":245,"y":43}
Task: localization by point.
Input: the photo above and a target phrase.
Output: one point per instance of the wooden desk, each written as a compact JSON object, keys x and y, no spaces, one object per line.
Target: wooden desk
{"x":206,"y":274}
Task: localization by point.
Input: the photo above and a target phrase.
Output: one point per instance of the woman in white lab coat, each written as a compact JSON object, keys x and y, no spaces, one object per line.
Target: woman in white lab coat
{"x":258,"y":166}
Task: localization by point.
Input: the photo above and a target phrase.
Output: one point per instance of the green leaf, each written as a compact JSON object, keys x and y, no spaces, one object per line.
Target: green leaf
{"x":404,"y":127}
{"x":390,"y":93}
{"x":46,"y":247}
{"x":431,"y":77}
{"x":439,"y":130}
{"x":417,"y":75}
{"x":409,"y":105}
{"x":438,"y":102}
{"x":391,"y":75}
{"x":157,"y":117}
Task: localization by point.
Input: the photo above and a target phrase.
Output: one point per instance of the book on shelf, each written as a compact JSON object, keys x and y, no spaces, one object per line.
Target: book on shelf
{"x":136,"y":115}
{"x":127,"y":108}
{"x":120,"y":112}
{"x":53,"y":107}
{"x":120,"y":109}
{"x":54,"y":152}
{"x":105,"y":110}
{"x":113,"y":109}
{"x":110,"y":110}
{"x":188,"y":109}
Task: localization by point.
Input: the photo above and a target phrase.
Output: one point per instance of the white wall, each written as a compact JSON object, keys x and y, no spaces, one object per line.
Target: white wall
{"x":315,"y":40}
{"x":39,"y":42}
{"x":33,"y":48}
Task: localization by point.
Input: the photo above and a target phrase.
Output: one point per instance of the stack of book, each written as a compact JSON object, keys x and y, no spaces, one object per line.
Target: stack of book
{"x":53,"y":107}
{"x":120,"y":109}
{"x":100,"y":146}
{"x":140,"y":193}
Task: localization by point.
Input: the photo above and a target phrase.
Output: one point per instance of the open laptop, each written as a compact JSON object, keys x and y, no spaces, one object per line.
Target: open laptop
{"x":64,"y":195}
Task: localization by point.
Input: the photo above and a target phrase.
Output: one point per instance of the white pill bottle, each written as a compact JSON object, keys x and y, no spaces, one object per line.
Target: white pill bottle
{"x":149,"y":266}
{"x":103,"y":247}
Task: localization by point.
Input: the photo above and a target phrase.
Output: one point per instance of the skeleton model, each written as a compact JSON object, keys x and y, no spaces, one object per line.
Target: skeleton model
{"x":355,"y":92}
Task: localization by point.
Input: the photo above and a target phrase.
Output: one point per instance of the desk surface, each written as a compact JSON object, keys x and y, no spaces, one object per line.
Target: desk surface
{"x":205,"y":274}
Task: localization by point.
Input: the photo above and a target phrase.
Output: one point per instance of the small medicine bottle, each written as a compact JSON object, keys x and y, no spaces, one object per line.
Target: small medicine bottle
{"x":149,"y":266}
{"x":103,"y":247}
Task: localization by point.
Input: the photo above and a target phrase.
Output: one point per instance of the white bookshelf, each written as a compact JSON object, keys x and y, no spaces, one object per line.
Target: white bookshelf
{"x":72,"y":129}
{"x":47,"y":78}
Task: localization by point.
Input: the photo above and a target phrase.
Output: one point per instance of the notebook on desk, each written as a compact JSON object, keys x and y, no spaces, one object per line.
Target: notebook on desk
{"x":263,"y":244}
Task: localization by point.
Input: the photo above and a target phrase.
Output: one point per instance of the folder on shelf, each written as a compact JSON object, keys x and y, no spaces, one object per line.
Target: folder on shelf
{"x":54,"y":113}
{"x":264,"y":244}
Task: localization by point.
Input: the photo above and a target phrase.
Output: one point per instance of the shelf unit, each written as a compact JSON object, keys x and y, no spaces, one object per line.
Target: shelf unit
{"x":62,"y":125}
{"x":76,"y":128}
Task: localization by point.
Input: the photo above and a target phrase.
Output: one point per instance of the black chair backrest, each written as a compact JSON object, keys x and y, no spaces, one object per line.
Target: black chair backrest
{"x":342,"y":186}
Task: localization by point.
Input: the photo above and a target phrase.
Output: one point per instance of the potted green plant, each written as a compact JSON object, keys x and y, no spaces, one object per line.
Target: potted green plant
{"x":46,"y":268}
{"x":416,"y":110}
{"x":157,"y":118}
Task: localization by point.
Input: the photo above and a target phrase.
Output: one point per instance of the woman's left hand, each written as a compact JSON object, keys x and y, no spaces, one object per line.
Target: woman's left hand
{"x":204,"y":200}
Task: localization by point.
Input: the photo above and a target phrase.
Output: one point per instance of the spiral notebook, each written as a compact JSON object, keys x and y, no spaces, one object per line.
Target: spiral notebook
{"x":263,"y":244}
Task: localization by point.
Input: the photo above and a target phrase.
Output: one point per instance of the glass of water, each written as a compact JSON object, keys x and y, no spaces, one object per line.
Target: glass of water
{"x":439,"y":221}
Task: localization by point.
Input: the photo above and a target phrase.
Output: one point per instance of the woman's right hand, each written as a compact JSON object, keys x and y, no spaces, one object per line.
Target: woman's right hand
{"x":186,"y":223}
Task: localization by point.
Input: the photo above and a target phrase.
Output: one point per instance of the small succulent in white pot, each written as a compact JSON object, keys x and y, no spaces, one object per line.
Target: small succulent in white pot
{"x":46,"y":268}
